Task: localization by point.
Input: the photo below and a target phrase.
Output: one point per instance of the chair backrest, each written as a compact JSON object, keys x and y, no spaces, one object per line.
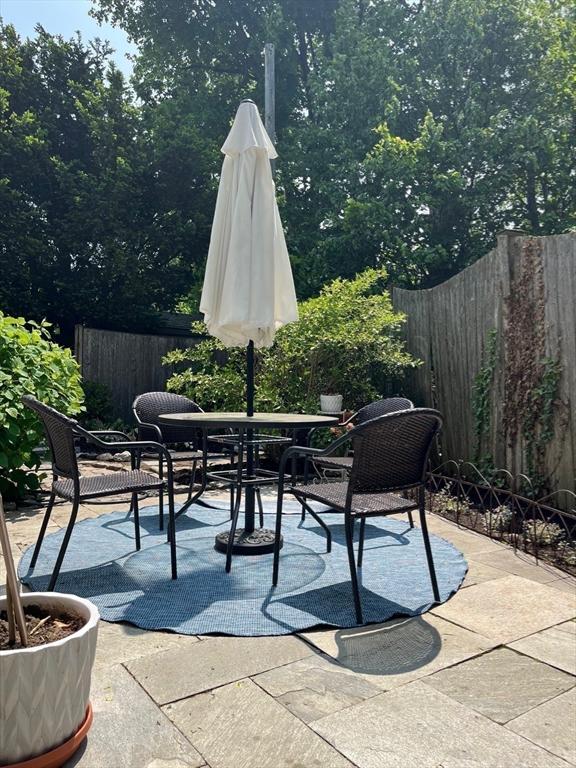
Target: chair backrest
{"x":381,"y":408}
{"x":148,"y":407}
{"x":391,"y":452}
{"x":60,"y":434}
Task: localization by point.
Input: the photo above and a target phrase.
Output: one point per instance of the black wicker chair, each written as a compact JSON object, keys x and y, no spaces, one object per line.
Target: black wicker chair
{"x":366,"y":413}
{"x":146,"y":409}
{"x":390,"y":454}
{"x":68,"y":483}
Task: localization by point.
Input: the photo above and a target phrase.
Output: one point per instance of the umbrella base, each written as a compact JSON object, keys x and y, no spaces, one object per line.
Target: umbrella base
{"x":258,"y":542}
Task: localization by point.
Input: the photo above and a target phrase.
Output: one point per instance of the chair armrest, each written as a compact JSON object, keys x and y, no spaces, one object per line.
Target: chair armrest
{"x":300,"y":450}
{"x":110,"y":433}
{"x":132,"y":445}
{"x":154,"y":427}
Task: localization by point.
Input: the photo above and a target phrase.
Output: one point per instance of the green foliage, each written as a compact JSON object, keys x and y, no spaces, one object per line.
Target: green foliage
{"x":444,"y":503}
{"x":30,"y":363}
{"x":543,"y":533}
{"x":104,"y":207}
{"x":347,"y":340}
{"x":97,"y":404}
{"x":538,"y":418}
{"x":482,"y":395}
{"x":409,"y":132}
{"x":499,"y":519}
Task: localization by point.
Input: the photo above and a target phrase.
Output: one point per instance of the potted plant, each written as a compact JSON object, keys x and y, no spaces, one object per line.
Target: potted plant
{"x":330,"y":399}
{"x":47,"y":648}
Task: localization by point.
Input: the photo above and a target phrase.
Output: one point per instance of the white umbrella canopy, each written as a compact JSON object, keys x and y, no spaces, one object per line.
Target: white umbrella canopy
{"x":248,"y":290}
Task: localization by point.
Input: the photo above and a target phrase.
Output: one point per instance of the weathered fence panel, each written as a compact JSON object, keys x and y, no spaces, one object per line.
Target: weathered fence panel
{"x":127,"y":363}
{"x":524,"y":294}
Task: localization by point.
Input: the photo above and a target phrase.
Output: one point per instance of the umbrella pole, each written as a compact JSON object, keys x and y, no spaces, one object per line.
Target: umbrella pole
{"x":250,"y":494}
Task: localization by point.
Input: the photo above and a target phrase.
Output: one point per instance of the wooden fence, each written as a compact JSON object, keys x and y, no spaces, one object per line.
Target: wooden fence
{"x":127,"y":363}
{"x":516,"y":404}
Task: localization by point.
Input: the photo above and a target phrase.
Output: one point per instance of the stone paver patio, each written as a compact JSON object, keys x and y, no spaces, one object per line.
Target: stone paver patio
{"x":487,"y":679}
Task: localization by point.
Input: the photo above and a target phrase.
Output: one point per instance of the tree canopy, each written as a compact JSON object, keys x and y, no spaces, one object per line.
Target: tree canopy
{"x":409,"y":133}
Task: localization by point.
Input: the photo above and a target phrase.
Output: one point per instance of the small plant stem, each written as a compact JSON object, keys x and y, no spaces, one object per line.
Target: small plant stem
{"x":40,"y":624}
{"x":13,"y":601}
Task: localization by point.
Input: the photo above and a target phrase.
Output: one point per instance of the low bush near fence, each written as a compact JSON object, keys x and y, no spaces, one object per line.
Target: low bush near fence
{"x":530,"y":524}
{"x":30,"y":363}
{"x":347,"y":341}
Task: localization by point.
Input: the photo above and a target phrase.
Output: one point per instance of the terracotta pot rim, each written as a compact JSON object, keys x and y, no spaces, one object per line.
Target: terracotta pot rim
{"x":90,"y":612}
{"x":59,"y":755}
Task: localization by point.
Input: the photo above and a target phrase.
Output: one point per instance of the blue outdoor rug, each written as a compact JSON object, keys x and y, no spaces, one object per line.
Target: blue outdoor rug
{"x":314,"y":588}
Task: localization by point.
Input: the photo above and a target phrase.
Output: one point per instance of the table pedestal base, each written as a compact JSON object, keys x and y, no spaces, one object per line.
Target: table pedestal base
{"x":257,"y":542}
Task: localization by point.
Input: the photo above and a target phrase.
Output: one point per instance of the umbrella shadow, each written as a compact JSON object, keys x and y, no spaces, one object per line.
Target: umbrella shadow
{"x":393,"y":648}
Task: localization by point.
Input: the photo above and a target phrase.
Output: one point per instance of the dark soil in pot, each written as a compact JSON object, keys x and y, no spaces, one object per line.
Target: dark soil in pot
{"x":43,"y":627}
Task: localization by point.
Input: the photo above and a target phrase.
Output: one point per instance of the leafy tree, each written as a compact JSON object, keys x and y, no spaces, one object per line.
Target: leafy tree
{"x":347,"y":340}
{"x":104,"y":204}
{"x":409,"y":132}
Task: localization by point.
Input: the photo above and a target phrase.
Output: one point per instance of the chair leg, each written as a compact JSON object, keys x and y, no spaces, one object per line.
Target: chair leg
{"x":192,"y":480}
{"x":361,"y":542}
{"x":260,"y":507}
{"x":42,"y":530}
{"x":410,"y":518}
{"x":306,"y":470}
{"x":235,"y":517}
{"x":161,"y":494}
{"x":428,"y":548}
{"x":349,"y":525}
{"x":278,"y":531}
{"x":172,"y":528}
{"x":321,"y":523}
{"x":64,"y":545}
{"x":136,"y":510}
{"x":232,"y":493}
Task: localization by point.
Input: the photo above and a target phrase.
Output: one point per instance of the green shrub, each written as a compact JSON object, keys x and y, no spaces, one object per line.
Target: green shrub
{"x":499,"y":519}
{"x":347,"y":341}
{"x":543,"y":533}
{"x":30,"y":363}
{"x":443,"y":503}
{"x":97,"y":405}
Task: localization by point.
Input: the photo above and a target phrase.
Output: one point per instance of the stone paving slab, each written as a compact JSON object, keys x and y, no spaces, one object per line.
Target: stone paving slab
{"x":175,"y":674}
{"x":120,"y":643}
{"x":501,"y":684}
{"x":551,"y":725}
{"x":399,"y":651}
{"x":240,"y":726}
{"x":316,"y":686}
{"x":555,"y":646}
{"x":24,"y":534}
{"x":417,"y":727}
{"x":566,"y":584}
{"x":129,"y":730}
{"x":479,"y":572}
{"x":468,"y":542}
{"x":519,"y":564}
{"x":508,"y":609}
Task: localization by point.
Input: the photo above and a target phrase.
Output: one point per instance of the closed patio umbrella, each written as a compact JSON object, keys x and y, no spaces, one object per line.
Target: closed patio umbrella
{"x":248,"y":290}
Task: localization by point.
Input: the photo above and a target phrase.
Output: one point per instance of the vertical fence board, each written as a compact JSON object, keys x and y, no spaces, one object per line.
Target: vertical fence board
{"x":448,"y":326}
{"x":127,"y":363}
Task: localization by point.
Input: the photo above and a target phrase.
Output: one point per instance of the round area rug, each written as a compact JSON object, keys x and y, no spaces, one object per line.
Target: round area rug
{"x":314,"y":587}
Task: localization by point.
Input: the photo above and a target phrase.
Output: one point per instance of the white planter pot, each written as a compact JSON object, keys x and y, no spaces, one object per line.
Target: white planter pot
{"x":44,"y":691}
{"x":331,"y":403}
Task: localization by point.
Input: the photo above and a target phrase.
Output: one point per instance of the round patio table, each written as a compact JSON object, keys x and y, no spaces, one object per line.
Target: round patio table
{"x":248,"y":540}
